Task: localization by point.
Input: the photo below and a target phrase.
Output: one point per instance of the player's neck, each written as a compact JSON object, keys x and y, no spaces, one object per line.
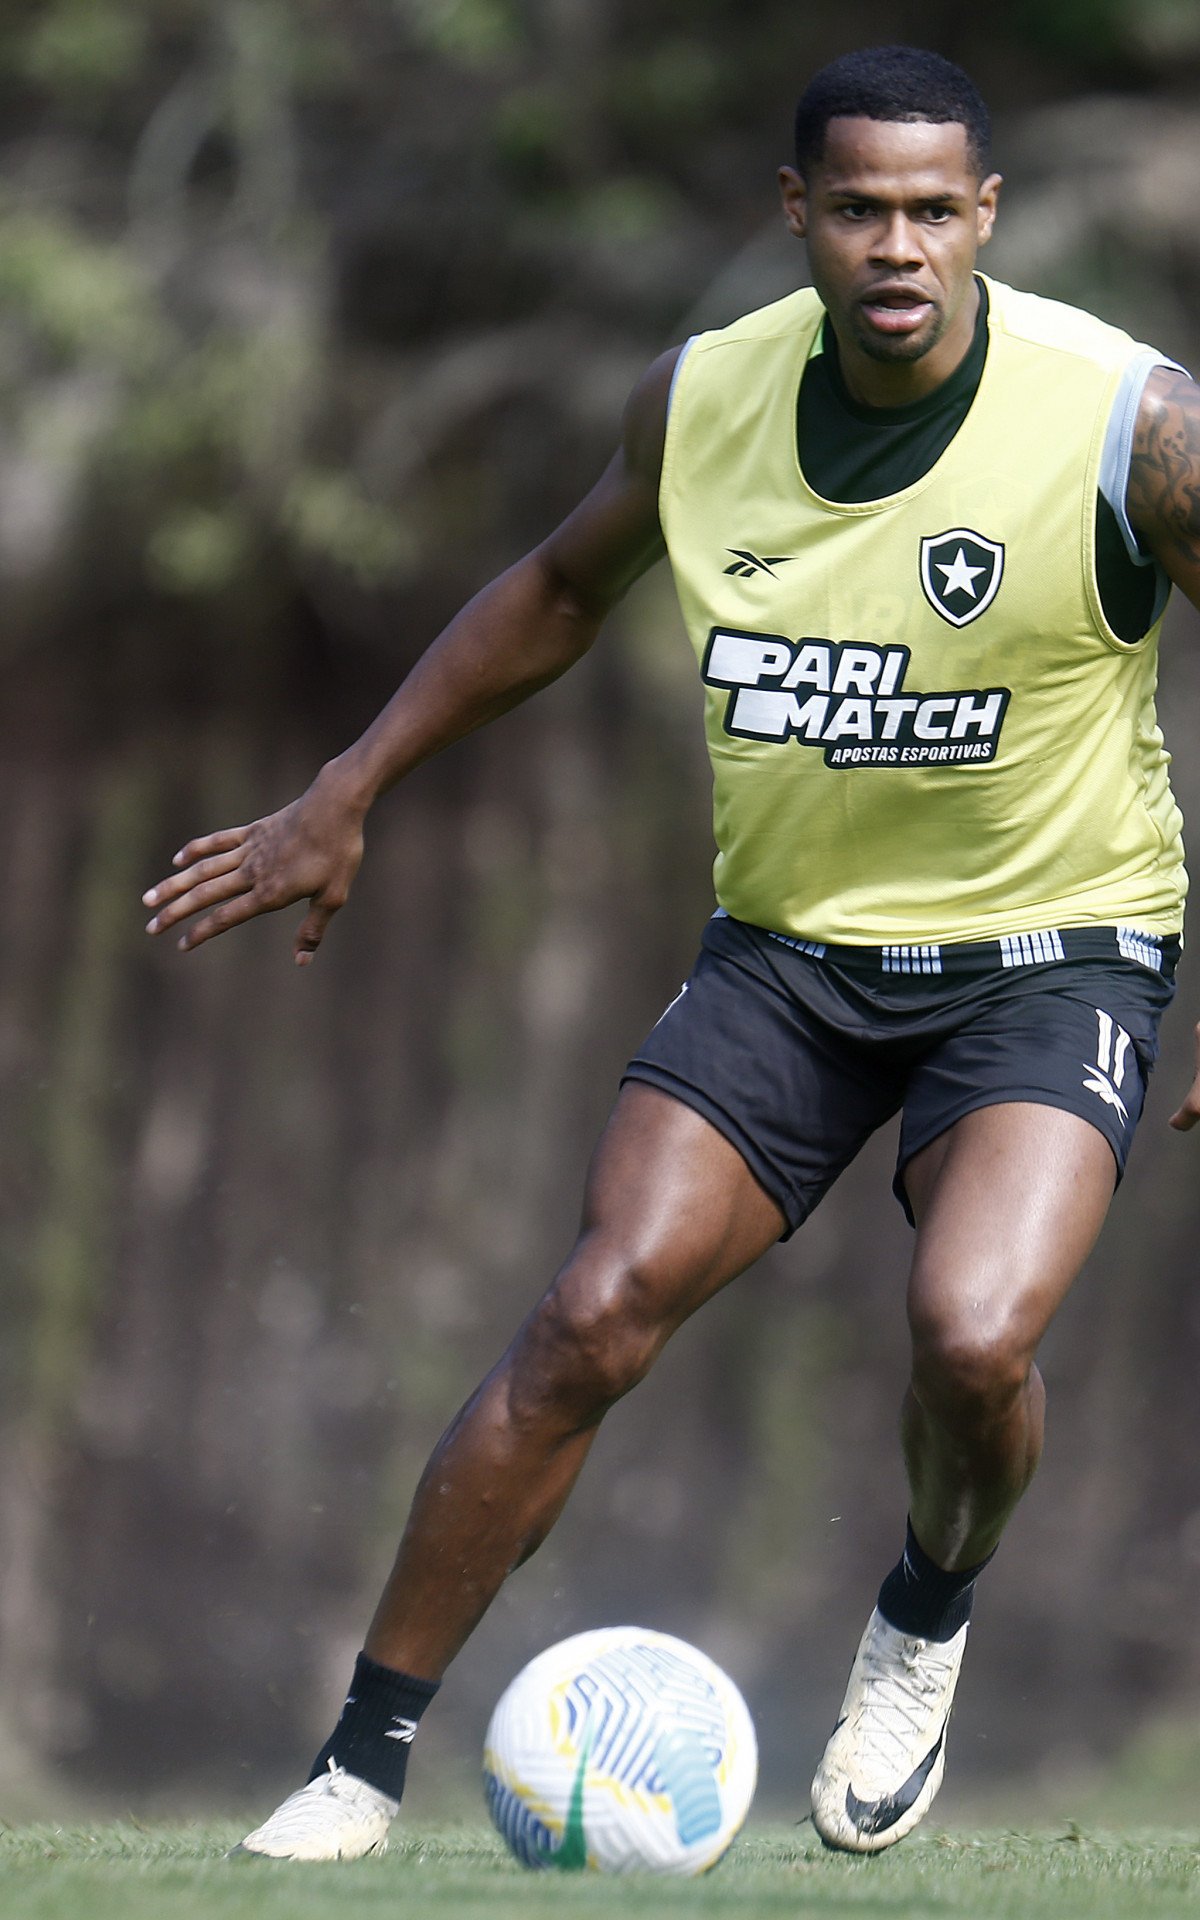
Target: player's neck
{"x":879,"y":383}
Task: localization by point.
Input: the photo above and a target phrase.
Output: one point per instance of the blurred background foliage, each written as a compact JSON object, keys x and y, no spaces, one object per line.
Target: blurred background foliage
{"x":311,"y":317}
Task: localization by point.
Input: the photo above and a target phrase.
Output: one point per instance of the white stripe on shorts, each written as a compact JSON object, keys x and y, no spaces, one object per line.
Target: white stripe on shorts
{"x":1030,"y":949}
{"x":912,"y":959}
{"x":1142,"y":947}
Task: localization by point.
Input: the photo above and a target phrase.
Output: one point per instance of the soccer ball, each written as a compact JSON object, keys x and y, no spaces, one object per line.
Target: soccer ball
{"x":620,"y":1750}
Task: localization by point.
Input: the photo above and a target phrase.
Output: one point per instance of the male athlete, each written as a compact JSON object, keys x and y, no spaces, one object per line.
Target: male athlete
{"x":922,"y":529}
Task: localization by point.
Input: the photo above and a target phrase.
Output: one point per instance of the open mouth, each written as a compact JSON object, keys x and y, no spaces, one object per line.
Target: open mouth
{"x":896,"y":309}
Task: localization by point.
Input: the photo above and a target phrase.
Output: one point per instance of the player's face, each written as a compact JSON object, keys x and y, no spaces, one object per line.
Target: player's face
{"x":894,"y":215}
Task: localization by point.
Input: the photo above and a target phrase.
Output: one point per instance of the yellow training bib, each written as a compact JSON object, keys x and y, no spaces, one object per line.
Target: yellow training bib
{"x":922,"y":727}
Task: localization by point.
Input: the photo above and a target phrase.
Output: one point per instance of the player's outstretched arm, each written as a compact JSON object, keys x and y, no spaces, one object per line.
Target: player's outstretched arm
{"x":516,"y":636}
{"x":1164,"y":510}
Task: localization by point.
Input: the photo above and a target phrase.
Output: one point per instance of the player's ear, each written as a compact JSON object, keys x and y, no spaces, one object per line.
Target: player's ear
{"x":989,"y":195}
{"x":794,"y":195}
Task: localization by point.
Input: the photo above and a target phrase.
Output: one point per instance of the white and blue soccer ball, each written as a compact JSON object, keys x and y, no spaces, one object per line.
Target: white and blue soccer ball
{"x":620,"y":1750}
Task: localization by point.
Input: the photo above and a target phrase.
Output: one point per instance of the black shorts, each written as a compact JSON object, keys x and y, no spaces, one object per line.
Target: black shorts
{"x":797,"y":1052}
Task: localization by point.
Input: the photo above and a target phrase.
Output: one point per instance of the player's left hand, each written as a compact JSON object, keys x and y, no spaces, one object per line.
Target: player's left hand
{"x":1189,"y":1113}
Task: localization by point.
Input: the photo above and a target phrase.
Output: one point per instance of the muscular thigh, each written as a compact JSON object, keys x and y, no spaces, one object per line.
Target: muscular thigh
{"x":671,"y":1205}
{"x":1008,"y":1204}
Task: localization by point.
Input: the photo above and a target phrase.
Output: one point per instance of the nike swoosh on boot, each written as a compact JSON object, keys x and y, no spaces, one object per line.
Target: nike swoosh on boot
{"x":876,"y":1816}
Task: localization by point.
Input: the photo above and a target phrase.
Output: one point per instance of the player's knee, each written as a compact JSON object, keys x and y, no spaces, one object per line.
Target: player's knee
{"x":968,"y":1374}
{"x":594,"y":1335}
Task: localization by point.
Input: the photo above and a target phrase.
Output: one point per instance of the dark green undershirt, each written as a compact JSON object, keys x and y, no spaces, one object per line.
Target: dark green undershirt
{"x":850,"y":453}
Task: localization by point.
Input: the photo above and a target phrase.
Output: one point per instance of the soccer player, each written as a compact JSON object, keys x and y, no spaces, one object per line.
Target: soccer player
{"x":923,"y":528}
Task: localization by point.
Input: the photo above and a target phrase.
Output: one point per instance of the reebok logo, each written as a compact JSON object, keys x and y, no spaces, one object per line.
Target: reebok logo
{"x":848,"y":699}
{"x":405,"y":1730}
{"x":1107,"y":1075}
{"x":746,"y":564}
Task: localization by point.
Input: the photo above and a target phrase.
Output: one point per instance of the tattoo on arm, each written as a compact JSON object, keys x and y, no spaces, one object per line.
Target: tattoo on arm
{"x":1164,"y":474}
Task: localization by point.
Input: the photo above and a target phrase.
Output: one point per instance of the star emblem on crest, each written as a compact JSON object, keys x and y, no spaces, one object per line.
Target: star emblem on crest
{"x":960,"y":578}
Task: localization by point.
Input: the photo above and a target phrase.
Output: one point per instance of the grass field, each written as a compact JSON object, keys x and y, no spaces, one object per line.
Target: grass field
{"x":128,"y":1872}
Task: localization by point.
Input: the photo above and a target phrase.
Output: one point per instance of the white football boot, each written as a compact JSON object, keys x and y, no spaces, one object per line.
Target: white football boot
{"x":335,"y":1817}
{"x":887,"y":1753}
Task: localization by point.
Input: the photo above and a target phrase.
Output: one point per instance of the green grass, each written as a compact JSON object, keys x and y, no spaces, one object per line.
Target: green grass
{"x":129,"y":1872}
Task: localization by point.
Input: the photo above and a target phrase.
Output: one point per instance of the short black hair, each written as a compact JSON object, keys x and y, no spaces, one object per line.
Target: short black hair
{"x":891,"y":83}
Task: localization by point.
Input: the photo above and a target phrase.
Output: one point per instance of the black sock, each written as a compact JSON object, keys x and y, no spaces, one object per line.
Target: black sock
{"x":922,"y":1599}
{"x":376,"y":1729}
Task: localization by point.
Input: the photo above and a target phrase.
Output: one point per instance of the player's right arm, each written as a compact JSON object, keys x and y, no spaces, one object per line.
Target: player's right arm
{"x":516,"y":636}
{"x":1163,"y":503}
